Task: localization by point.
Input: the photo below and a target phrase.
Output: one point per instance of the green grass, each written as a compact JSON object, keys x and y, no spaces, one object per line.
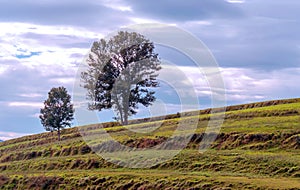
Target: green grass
{"x":258,"y":147}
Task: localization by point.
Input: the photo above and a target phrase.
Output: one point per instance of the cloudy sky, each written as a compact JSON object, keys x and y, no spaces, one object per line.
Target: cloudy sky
{"x":256,"y":44}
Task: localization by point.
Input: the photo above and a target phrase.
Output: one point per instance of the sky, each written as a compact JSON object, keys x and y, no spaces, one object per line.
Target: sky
{"x":255,"y":43}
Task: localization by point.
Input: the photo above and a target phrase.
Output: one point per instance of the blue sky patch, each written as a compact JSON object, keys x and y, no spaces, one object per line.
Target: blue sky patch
{"x":24,"y":56}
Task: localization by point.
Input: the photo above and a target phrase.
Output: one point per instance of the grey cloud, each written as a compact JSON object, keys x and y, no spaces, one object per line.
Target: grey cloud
{"x":77,"y":13}
{"x":287,"y":9}
{"x":255,"y":42}
{"x":249,"y":85}
{"x":171,"y":10}
{"x":20,"y":79}
{"x":64,"y":41}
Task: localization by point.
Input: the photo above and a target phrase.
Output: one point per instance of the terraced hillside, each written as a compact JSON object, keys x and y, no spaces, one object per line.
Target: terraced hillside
{"x":258,"y":147}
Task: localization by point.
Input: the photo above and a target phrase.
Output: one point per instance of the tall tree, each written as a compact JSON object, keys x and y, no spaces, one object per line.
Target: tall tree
{"x":58,"y":110}
{"x":122,"y":73}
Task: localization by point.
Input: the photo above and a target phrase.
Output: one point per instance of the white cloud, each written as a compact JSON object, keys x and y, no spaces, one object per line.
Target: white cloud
{"x":117,"y":5}
{"x":64,"y":81}
{"x":198,"y":22}
{"x":3,"y":68}
{"x":36,"y":115}
{"x":59,"y":60}
{"x":139,"y":20}
{"x":46,"y":43}
{"x":246,"y":84}
{"x":31,"y":95}
{"x":236,"y":1}
{"x":5,"y":135}
{"x":26,"y":104}
{"x":13,"y":31}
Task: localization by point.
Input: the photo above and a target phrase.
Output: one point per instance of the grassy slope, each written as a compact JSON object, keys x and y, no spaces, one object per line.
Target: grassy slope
{"x":258,"y":148}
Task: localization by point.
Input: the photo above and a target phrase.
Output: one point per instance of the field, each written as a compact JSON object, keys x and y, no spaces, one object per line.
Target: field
{"x":258,"y":147}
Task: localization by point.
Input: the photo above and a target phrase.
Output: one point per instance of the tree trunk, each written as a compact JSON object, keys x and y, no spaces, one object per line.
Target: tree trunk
{"x":58,"y":134}
{"x":125,"y":118}
{"x":121,"y":117}
{"x":125,"y":122}
{"x":119,"y":109}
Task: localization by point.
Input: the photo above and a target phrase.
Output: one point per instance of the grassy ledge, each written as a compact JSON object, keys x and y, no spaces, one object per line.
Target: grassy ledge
{"x":258,"y":147}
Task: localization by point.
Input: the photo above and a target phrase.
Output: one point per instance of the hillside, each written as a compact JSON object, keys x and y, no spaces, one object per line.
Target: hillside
{"x":258,"y":147}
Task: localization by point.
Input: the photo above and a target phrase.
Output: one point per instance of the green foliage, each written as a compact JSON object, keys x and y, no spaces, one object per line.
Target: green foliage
{"x":121,"y":74}
{"x":58,"y":110}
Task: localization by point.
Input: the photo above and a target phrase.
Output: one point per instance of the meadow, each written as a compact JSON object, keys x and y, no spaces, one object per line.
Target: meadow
{"x":258,"y":147}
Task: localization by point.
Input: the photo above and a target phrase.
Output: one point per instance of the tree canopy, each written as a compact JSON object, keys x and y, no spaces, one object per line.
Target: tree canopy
{"x":58,"y":110}
{"x":122,"y":73}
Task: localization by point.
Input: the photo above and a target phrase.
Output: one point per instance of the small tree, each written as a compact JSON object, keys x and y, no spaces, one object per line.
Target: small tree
{"x":121,"y":74}
{"x":58,"y":110}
